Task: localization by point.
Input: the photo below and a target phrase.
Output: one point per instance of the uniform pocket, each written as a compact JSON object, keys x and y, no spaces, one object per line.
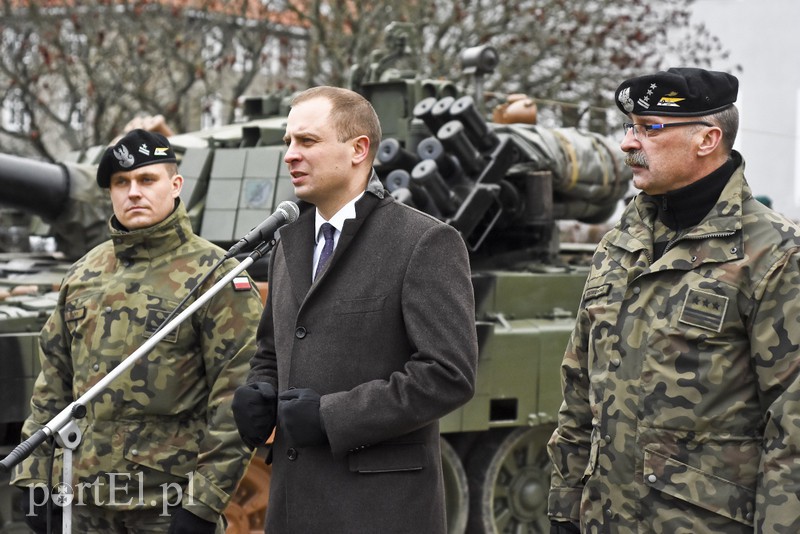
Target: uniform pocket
{"x":163,"y":448}
{"x":698,"y":487}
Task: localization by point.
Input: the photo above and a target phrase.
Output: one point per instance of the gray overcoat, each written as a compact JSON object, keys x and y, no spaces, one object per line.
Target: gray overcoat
{"x":387,"y":336}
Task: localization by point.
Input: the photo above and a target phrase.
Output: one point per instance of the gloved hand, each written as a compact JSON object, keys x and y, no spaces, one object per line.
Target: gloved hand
{"x":298,"y":413}
{"x":563,"y":527}
{"x":254,"y":408}
{"x":33,"y":505}
{"x":185,"y":522}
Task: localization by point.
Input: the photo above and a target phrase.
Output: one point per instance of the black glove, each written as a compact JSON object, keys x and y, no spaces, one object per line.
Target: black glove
{"x":254,"y":407}
{"x":185,"y":522}
{"x":563,"y":527}
{"x":298,"y":413}
{"x":36,"y":514}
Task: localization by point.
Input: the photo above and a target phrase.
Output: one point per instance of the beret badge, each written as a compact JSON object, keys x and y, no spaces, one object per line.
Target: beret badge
{"x":678,"y":92}
{"x":124,"y":157}
{"x":133,"y":151}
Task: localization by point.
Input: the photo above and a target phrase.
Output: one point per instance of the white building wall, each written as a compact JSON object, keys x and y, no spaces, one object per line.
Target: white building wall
{"x":764,"y":38}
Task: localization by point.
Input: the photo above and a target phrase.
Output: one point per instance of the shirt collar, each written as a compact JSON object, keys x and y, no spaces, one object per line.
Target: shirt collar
{"x":348,"y":211}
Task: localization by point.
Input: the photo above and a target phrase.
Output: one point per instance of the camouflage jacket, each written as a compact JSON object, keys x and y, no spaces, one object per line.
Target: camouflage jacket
{"x":681,"y":407}
{"x":165,"y":423}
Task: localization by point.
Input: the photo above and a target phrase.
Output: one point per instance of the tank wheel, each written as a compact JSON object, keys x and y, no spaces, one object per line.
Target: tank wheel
{"x":509,"y":476}
{"x":455,"y":489}
{"x":248,"y":507}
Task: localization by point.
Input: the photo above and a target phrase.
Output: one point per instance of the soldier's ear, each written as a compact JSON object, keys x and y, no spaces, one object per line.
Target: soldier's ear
{"x":177,"y":185}
{"x":711,"y":139}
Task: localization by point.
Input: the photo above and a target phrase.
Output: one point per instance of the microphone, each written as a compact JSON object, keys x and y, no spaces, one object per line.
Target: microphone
{"x":286,"y":213}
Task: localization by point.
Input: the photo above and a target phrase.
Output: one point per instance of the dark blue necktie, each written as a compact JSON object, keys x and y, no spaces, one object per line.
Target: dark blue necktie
{"x":327,"y":250}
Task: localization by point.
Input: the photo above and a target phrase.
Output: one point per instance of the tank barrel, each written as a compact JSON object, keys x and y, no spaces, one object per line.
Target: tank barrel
{"x":33,"y":186}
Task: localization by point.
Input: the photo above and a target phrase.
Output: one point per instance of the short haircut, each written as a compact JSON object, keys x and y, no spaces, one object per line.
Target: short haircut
{"x":351,"y":113}
{"x":728,"y":122}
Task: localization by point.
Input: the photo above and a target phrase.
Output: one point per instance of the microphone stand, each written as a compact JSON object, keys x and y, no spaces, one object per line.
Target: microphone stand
{"x":67,"y":433}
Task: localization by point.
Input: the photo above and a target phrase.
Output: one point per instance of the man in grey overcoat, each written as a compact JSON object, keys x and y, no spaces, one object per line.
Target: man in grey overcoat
{"x":360,"y":350}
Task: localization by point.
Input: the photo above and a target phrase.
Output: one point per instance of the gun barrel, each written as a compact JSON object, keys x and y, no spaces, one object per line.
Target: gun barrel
{"x":392,"y":155}
{"x":398,"y":179}
{"x":454,"y":138}
{"x":449,"y":166}
{"x":476,"y":127}
{"x":441,"y":110}
{"x":424,"y":112}
{"x":427,"y":175}
{"x":409,"y":191}
{"x":33,"y":186}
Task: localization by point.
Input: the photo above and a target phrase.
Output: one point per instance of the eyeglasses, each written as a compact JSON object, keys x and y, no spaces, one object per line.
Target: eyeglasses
{"x":641,"y":131}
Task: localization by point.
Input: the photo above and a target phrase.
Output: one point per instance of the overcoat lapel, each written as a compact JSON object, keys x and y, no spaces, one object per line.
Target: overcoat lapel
{"x":297,"y":241}
{"x":364,"y":207}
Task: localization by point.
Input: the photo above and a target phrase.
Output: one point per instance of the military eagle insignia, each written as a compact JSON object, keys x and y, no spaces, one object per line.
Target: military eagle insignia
{"x":124,"y":157}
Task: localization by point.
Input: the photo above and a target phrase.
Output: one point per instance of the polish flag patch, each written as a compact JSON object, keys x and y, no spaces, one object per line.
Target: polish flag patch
{"x":241,"y":283}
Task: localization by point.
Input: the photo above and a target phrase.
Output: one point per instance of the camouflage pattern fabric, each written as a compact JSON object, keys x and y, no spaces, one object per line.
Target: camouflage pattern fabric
{"x":681,"y":379}
{"x":164,"y":426}
{"x":97,"y":520}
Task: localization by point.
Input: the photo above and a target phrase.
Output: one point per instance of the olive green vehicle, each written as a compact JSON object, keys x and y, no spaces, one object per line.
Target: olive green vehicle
{"x":502,"y":186}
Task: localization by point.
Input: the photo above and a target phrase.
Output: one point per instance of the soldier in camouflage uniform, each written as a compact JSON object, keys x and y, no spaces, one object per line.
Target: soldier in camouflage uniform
{"x":162,"y":433}
{"x":681,"y":407}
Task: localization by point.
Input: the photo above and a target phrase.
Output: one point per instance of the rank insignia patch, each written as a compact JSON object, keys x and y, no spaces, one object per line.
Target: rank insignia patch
{"x":705,"y":310}
{"x":153,"y":323}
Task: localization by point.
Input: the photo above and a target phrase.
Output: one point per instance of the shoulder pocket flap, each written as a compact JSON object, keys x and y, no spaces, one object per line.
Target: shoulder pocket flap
{"x":388,"y":457}
{"x":699,"y":488}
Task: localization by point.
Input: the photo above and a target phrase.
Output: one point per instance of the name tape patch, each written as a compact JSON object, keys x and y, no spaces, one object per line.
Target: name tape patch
{"x":596,"y":292}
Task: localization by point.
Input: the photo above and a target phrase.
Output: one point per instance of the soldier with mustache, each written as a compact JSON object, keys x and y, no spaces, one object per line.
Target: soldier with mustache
{"x":681,"y":379}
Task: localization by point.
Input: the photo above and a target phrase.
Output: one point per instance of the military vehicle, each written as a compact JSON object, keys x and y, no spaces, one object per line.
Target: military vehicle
{"x":503,"y":186}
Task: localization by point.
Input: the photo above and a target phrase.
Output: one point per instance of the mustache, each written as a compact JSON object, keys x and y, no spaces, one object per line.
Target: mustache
{"x":636,"y":158}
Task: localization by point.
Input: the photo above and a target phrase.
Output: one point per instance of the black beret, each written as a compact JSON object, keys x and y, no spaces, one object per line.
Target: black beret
{"x":677,"y":92}
{"x":136,"y":149}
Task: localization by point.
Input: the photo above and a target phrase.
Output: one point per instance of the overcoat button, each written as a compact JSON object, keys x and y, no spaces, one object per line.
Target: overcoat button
{"x":291,"y":454}
{"x":636,"y":290}
{"x":651,"y":479}
{"x":96,"y":367}
{"x":300,"y":333}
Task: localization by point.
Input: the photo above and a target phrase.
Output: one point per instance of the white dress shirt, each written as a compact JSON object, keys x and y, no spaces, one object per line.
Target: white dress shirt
{"x":348,"y":211}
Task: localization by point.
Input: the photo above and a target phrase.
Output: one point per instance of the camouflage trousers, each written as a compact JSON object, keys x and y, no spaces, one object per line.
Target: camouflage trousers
{"x":89,"y":519}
